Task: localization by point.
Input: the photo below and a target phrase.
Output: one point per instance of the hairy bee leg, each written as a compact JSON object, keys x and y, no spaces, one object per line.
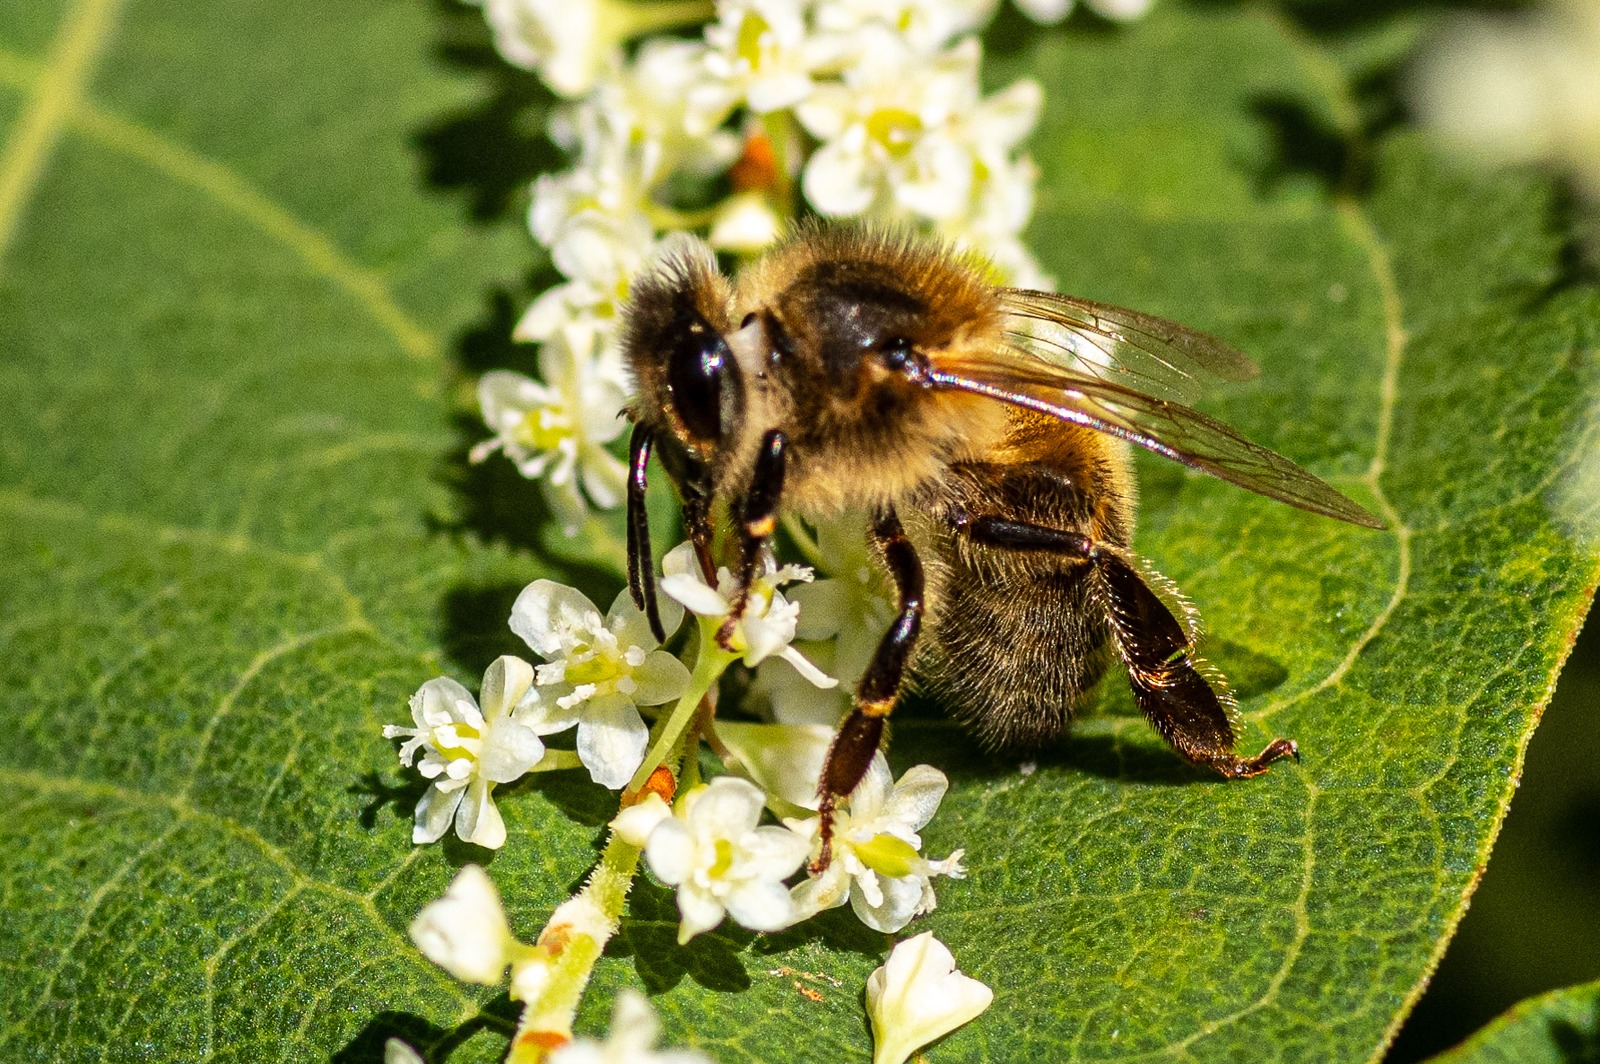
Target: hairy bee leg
{"x":859,"y":736}
{"x":758,"y":519}
{"x":1168,"y":683}
{"x":641,"y":559}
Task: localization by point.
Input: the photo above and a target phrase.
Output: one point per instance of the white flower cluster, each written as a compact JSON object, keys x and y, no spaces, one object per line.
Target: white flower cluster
{"x":866,"y":108}
{"x":710,"y":844}
{"x":598,"y":671}
{"x":912,"y":999}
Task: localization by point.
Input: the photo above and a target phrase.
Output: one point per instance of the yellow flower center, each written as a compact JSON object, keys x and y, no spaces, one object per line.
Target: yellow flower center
{"x":724,"y":861}
{"x":751,"y":31}
{"x":543,"y":430}
{"x":895,"y":128}
{"x":888,"y":855}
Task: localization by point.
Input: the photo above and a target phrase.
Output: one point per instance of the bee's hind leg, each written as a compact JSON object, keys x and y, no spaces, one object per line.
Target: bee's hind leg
{"x":861,"y":733}
{"x":1185,"y":700}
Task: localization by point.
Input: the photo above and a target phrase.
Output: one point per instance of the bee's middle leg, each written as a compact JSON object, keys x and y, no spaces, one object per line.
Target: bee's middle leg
{"x":861,"y":733}
{"x":1168,"y":680}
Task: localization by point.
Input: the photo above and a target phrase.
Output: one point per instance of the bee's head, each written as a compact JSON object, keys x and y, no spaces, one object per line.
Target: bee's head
{"x":687,"y":383}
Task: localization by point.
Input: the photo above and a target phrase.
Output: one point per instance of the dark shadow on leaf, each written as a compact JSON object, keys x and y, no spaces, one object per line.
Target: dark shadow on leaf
{"x":1303,"y":145}
{"x":436,"y":1044}
{"x":1012,"y":33}
{"x":487,"y":343}
{"x":579,"y":798}
{"x":838,"y":930}
{"x":491,"y":148}
{"x":649,"y":934}
{"x":473,"y":629}
{"x":404,"y":796}
{"x":1131,"y":759}
{"x":1579,"y":1043}
{"x":1575,"y":223}
{"x":1250,"y":673}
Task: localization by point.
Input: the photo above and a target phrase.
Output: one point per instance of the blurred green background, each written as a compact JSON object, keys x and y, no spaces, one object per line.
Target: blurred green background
{"x":1534,"y":924}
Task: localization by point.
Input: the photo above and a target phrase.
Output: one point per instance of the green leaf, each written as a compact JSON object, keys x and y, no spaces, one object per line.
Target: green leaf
{"x":1561,"y":1027}
{"x":247,"y":250}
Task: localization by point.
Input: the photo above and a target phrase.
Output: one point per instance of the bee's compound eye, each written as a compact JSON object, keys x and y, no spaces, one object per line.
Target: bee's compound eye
{"x":697,"y":363}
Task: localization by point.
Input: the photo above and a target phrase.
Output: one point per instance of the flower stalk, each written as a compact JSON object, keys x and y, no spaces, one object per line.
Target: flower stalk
{"x":709,"y":666}
{"x":552,"y":977}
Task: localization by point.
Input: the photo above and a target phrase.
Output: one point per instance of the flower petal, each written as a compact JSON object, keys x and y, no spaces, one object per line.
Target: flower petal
{"x":509,"y":751}
{"x":611,"y":740}
{"x":699,"y":911}
{"x":435,"y":702}
{"x":504,"y":683}
{"x":918,"y":996}
{"x":728,"y":805}
{"x":661,"y":678}
{"x":632,"y":627}
{"x":546,"y":612}
{"x":784,"y":759}
{"x":670,"y":851}
{"x":434,"y":812}
{"x":762,"y":905}
{"x":477,"y":819}
{"x":916,"y":796}
{"x":465,"y":932}
{"x":695,"y":595}
{"x":635,"y":824}
{"x":806,"y":669}
{"x":899,"y":900}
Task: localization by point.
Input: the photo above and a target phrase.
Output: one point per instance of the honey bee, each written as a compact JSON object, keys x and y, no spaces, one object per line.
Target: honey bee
{"x":986,"y":430}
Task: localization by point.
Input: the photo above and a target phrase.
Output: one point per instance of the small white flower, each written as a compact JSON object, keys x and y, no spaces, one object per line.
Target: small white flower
{"x":1519,"y":89}
{"x":926,"y":25}
{"x":919,"y":996}
{"x":745,"y":223}
{"x":872,"y":125}
{"x":767,"y":626}
{"x":785,"y":760}
{"x":465,"y":932}
{"x":397,"y":1052}
{"x":597,"y":672}
{"x":634,"y":1030}
{"x":634,"y":824}
{"x":722,"y":863}
{"x":563,"y":41}
{"x":876,"y":864}
{"x":467,"y":750}
{"x":556,"y":431}
{"x":842,"y":620}
{"x":573,"y":45}
{"x":762,"y":54}
{"x":599,"y":253}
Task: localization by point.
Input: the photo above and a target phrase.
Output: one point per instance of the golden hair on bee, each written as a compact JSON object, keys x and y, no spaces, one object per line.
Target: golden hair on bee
{"x":871,"y":369}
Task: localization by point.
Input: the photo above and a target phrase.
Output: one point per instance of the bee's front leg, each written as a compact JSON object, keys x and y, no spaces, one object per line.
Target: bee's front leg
{"x":641,"y":558}
{"x":862,"y":731}
{"x":758,"y":517}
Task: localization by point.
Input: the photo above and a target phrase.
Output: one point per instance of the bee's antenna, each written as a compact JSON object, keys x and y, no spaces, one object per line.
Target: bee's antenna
{"x":641,"y":559}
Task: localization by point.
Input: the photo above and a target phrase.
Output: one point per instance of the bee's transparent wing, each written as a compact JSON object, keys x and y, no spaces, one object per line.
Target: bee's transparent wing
{"x":1020,"y":378}
{"x":1136,"y":351}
